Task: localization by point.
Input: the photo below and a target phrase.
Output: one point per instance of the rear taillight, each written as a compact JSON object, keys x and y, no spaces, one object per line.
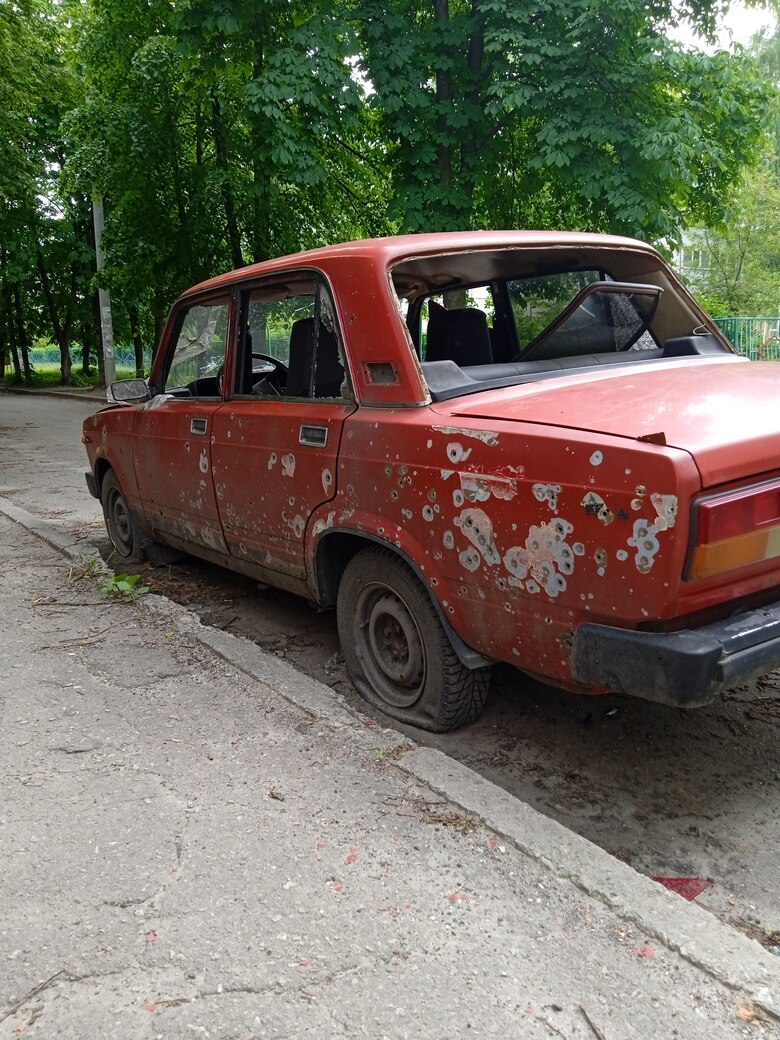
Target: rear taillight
{"x":736,"y":530}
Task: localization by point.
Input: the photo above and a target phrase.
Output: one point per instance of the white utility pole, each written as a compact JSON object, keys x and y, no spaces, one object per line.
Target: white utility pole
{"x":106,"y":324}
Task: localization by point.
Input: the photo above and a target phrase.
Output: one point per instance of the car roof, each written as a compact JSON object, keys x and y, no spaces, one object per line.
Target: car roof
{"x":388,"y":251}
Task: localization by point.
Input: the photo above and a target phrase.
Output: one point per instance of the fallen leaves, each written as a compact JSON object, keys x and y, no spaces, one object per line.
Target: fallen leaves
{"x":747,"y":1011}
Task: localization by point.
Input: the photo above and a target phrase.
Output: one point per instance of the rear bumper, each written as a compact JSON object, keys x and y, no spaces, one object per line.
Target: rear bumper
{"x":686,"y":668}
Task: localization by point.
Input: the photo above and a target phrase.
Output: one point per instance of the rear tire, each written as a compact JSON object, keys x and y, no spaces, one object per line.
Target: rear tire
{"x":129,"y":541}
{"x":396,"y":650}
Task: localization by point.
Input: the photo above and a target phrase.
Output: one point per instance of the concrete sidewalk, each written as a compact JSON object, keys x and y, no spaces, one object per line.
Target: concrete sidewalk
{"x":200,"y":841}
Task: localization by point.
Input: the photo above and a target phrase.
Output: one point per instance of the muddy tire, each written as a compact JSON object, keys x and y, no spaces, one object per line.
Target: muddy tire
{"x":396,"y":650}
{"x":126,"y":536}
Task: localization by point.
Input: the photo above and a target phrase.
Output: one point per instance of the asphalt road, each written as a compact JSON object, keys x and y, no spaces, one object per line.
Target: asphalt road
{"x":673,"y":794}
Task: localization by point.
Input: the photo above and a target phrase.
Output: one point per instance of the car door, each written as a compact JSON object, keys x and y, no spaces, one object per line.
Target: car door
{"x":275,"y":442}
{"x":172,"y":432}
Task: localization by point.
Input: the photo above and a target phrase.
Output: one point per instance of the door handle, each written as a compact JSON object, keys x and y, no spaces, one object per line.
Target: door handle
{"x":313,"y":436}
{"x":198,"y":426}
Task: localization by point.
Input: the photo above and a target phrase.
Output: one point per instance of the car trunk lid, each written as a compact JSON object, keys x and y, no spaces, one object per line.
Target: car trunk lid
{"x":724,"y":412}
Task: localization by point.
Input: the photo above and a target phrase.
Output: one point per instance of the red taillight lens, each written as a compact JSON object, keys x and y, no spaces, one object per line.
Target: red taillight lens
{"x":736,"y":530}
{"x":736,"y":513}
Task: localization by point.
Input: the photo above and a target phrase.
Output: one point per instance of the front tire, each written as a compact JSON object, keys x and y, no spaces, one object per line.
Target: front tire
{"x":126,"y":536}
{"x":396,"y":650}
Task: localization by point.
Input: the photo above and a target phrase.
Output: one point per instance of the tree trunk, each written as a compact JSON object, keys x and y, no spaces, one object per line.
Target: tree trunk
{"x":21,"y":336}
{"x":61,"y":330}
{"x":444,"y":99}
{"x":231,"y":223}
{"x":138,"y":343}
{"x":261,"y":198}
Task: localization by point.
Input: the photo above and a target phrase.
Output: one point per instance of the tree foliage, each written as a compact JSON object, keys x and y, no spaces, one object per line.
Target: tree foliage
{"x":221,"y":132}
{"x":570,"y":112}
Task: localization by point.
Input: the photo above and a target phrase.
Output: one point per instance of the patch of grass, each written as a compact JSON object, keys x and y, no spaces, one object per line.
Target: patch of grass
{"x":124,"y":586}
{"x":48,"y":376}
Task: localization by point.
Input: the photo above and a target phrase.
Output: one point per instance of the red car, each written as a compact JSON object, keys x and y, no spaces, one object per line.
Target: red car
{"x":529,"y":447}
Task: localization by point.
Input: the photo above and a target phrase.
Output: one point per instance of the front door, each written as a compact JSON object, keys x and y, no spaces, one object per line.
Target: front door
{"x":173,"y":431}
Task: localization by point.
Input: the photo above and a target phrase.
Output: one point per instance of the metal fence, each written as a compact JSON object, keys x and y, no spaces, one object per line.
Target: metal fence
{"x":756,"y":338}
{"x":46,"y":356}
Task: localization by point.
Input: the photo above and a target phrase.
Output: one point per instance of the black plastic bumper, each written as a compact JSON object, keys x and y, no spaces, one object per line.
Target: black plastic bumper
{"x":686,"y":668}
{"x":89,"y":476}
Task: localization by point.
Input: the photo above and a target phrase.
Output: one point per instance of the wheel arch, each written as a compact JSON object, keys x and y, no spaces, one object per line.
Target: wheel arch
{"x":102,"y":466}
{"x":333,"y":552}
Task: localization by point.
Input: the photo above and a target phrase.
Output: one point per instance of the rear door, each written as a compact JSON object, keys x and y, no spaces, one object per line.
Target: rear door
{"x":275,"y":443}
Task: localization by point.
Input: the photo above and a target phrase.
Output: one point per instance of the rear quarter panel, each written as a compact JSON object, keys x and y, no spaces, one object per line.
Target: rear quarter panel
{"x":521,"y":531}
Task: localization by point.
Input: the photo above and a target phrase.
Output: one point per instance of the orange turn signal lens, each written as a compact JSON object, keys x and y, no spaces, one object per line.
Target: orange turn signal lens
{"x":736,"y":530}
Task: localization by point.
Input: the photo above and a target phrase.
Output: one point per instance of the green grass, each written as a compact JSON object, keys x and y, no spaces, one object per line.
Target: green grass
{"x":49,"y":376}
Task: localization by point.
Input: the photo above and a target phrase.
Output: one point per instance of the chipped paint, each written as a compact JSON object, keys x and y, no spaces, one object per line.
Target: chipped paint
{"x":297,"y":525}
{"x":324,"y":525}
{"x":469,"y":559}
{"x":272,"y":460}
{"x":478,"y":488}
{"x":288,"y":465}
{"x":646,"y":544}
{"x":547,"y":493}
{"x":546,"y":557}
{"x":457,"y":453}
{"x":203,"y":462}
{"x":596,"y":458}
{"x":595,"y":504}
{"x":666,"y":509}
{"x":486,"y":436}
{"x":327,"y":481}
{"x":448,"y":540}
{"x":477,"y":526}
{"x":644,"y":538}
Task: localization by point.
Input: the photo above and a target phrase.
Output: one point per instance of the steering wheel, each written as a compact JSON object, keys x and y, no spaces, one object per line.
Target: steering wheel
{"x":273,"y":366}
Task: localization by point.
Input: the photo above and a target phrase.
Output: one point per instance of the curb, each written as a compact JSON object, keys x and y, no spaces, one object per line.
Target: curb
{"x":96,"y":397}
{"x":684,"y":928}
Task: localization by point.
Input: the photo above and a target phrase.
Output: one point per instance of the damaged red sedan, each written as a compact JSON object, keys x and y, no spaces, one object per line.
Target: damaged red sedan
{"x":528,"y":447}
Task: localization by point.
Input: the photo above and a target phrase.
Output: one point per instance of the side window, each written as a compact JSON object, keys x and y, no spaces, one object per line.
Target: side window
{"x":290,"y":346}
{"x":199,"y":355}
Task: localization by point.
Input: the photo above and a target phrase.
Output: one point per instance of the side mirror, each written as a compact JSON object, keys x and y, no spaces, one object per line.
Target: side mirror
{"x":127,"y":391}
